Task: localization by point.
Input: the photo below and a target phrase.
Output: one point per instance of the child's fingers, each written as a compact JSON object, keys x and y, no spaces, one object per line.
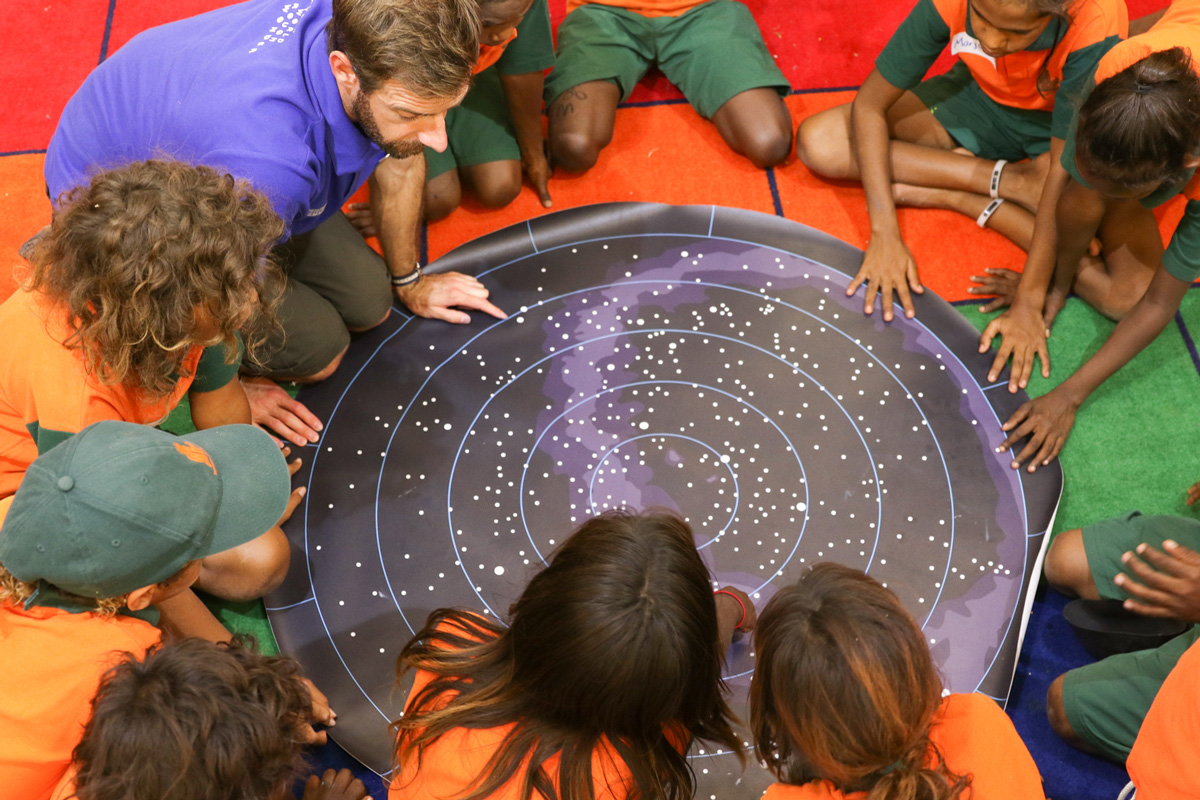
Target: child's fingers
{"x":321,"y":712}
{"x":347,"y":787}
{"x":293,"y":500}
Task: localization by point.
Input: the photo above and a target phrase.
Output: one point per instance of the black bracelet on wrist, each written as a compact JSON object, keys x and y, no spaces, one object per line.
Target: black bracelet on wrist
{"x":409,"y":278}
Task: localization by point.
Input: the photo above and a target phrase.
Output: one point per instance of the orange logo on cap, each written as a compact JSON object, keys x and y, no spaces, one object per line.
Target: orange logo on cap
{"x":197,"y":454}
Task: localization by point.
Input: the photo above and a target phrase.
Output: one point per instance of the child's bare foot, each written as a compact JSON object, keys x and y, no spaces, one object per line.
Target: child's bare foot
{"x":998,"y":282}
{"x":1022,"y":181}
{"x":340,"y":785}
{"x":1056,"y":299}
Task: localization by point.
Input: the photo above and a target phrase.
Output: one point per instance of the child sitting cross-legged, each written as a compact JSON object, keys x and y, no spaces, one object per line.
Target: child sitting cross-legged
{"x":846,"y":703}
{"x":109,"y":523}
{"x":610,"y":665}
{"x":195,"y":720}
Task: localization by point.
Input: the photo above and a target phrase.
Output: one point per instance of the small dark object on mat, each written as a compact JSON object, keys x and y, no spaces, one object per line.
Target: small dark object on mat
{"x":1106,"y":627}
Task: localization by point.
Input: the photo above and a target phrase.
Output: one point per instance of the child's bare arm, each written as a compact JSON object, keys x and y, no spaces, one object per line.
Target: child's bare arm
{"x":1023,"y":328}
{"x":888,"y":266}
{"x":523,"y":94}
{"x":224,"y":406}
{"x":735,"y":612}
{"x":184,"y":616}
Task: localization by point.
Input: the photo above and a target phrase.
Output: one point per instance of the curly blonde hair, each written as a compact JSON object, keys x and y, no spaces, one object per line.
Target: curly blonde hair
{"x":154,"y":257}
{"x":16,"y":592}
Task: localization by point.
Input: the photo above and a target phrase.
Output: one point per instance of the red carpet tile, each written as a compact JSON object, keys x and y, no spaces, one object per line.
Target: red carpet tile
{"x":52,"y":46}
{"x":131,"y":17}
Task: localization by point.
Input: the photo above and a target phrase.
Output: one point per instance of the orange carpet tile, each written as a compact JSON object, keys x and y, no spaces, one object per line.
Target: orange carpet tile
{"x":659,"y":154}
{"x":24,"y":209}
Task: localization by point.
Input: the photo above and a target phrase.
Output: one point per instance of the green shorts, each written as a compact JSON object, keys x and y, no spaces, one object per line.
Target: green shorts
{"x":1106,"y":702}
{"x":479,"y":131}
{"x":711,"y":52}
{"x":979,"y":123}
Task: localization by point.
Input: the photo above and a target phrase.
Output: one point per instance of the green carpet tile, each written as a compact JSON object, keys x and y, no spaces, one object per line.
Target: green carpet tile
{"x":1136,"y":441}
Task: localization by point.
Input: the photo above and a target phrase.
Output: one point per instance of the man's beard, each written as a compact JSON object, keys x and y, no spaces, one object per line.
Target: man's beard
{"x":400,"y":148}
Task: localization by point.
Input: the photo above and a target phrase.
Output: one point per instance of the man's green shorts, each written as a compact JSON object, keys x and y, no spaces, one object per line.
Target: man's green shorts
{"x":711,"y":52}
{"x":980,"y":124}
{"x":478,"y":131}
{"x":1106,"y":702}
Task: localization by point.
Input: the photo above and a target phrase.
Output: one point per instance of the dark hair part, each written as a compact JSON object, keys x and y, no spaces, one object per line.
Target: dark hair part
{"x":615,"y":641}
{"x":1137,"y":127}
{"x":430,"y":46}
{"x":194,"y":721}
{"x":132,"y":257}
{"x":845,"y":690}
{"x":1056,"y":9}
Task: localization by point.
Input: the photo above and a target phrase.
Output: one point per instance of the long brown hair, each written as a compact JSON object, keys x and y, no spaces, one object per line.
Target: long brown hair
{"x":615,"y":642}
{"x":845,"y":690}
{"x":134,"y":255}
{"x":194,"y":721}
{"x":1138,"y":127}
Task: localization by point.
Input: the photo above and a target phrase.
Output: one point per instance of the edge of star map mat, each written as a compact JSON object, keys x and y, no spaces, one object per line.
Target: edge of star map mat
{"x":296,"y":620}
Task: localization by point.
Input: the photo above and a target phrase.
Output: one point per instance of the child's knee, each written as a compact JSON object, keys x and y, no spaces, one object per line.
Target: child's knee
{"x":768,"y":146}
{"x":575,"y":151}
{"x":1067,"y":567}
{"x":250,"y":571}
{"x":823,"y":144}
{"x":500,"y":185}
{"x":1056,"y":712}
{"x":441,"y":198}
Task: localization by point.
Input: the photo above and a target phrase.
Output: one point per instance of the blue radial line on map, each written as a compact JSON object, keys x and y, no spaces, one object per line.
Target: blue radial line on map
{"x":529,"y":230}
{"x":665,"y":434}
{"x":691,"y":384}
{"x":308,"y":561}
{"x":290,"y":605}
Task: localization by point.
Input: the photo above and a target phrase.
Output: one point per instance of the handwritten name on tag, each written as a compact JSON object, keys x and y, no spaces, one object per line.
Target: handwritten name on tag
{"x":963,"y":43}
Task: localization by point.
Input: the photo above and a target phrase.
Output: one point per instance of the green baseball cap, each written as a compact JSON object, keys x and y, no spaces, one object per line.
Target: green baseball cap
{"x":120,"y":506}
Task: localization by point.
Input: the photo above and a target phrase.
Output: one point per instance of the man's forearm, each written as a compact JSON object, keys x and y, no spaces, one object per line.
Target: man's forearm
{"x":397,"y":192}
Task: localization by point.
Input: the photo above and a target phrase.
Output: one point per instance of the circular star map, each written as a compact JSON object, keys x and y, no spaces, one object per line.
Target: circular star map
{"x":699,"y":358}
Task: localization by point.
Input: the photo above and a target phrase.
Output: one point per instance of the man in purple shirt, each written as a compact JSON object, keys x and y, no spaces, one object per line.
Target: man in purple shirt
{"x":305,"y":99}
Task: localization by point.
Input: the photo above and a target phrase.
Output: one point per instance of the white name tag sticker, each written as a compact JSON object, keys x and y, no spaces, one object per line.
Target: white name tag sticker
{"x":962,"y":43}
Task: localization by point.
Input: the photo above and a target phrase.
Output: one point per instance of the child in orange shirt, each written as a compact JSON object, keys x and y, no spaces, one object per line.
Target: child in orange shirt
{"x":109,"y":523}
{"x":611,"y":663}
{"x":1134,"y":145}
{"x":195,"y":720}
{"x":944,"y":142}
{"x":846,"y":703}
{"x":141,"y":291}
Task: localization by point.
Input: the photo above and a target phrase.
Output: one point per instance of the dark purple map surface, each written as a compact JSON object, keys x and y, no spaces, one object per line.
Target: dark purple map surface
{"x":700,"y":358}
